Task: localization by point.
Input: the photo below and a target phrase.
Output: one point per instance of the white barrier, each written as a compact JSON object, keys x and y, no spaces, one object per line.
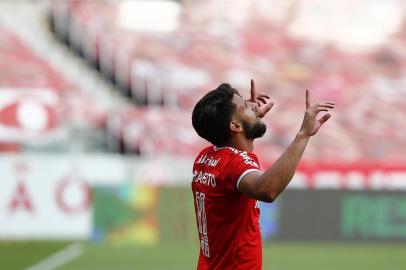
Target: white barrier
{"x":49,"y":196}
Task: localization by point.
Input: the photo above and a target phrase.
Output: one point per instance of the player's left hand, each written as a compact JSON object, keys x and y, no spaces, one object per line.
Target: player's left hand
{"x":263,"y":101}
{"x":311,"y":125}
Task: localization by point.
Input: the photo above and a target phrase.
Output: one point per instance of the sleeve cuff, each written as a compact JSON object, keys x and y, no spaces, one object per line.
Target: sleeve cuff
{"x":244,"y":174}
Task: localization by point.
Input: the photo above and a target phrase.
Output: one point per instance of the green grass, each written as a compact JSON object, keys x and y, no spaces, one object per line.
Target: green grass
{"x":17,"y":255}
{"x":277,"y":255}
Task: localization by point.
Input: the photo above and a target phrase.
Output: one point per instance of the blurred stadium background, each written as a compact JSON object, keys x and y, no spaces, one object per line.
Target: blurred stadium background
{"x":97,"y":146}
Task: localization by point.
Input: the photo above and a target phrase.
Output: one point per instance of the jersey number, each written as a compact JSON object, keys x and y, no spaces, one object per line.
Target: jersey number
{"x":202,"y":223}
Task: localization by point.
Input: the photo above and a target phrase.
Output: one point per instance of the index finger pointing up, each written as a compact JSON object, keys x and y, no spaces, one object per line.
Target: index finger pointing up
{"x":253,"y":91}
{"x":307,"y":99}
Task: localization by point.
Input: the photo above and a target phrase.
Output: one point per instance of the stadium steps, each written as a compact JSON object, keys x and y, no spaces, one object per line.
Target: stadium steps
{"x":28,"y":20}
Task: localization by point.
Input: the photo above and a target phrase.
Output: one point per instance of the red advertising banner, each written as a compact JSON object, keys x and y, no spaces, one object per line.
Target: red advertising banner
{"x":353,"y":176}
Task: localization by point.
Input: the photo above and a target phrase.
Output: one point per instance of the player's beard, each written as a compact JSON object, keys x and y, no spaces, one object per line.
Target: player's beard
{"x":255,"y":130}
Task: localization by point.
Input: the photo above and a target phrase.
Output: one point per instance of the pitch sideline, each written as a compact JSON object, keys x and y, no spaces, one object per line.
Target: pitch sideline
{"x":59,"y":258}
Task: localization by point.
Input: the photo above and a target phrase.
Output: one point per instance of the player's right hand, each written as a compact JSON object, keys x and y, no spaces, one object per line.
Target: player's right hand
{"x":311,"y":124}
{"x":262,"y":100}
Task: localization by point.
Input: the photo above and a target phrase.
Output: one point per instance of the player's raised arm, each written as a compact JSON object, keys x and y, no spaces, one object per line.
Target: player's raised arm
{"x":273,"y":181}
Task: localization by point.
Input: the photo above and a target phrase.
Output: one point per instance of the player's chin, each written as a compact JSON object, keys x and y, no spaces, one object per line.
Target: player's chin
{"x":260,"y":122}
{"x":261,"y":128}
{"x":256,"y":131}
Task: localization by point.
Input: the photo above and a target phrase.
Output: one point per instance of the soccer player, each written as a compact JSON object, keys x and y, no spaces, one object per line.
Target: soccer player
{"x":227,"y":179}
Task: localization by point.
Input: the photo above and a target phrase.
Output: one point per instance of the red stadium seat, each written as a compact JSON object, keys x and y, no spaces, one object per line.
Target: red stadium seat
{"x":208,"y":49}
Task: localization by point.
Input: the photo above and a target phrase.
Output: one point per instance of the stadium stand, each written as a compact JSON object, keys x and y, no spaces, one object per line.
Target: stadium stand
{"x":40,"y":108}
{"x":169,"y":71}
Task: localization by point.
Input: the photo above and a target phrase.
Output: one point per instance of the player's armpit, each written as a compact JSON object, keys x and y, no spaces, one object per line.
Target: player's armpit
{"x":249,"y":185}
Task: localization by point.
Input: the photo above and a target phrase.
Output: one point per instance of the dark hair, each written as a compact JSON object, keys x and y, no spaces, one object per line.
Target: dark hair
{"x":212,"y":114}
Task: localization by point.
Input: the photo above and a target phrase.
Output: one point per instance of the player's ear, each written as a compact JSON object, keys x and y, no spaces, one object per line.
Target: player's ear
{"x":235,"y":126}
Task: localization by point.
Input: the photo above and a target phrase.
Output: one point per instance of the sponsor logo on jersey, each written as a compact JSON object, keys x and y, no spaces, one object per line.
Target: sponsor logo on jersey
{"x":210,"y":161}
{"x":248,"y":160}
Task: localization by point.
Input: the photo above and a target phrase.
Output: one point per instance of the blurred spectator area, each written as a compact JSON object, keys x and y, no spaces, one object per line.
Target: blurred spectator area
{"x":38,"y":107}
{"x":165,"y":61}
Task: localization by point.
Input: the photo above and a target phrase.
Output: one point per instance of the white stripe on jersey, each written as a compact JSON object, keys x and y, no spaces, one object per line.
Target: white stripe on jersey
{"x":244,"y":174}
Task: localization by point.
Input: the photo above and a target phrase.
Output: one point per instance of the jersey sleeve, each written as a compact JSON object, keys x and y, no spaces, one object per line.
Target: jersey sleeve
{"x":241,"y":165}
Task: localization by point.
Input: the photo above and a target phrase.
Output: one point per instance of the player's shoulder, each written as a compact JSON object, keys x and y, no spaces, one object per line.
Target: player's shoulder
{"x":238,"y":156}
{"x":228,"y":154}
{"x":248,"y":158}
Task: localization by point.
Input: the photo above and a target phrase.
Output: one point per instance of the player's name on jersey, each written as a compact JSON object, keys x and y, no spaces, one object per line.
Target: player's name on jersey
{"x":210,"y":161}
{"x":204,"y":178}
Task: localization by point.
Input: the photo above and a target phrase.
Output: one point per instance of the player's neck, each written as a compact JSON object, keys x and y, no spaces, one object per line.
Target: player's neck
{"x":242,"y":144}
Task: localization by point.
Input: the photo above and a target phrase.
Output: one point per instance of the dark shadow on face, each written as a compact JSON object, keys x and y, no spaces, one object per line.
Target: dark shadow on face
{"x":254,"y":130}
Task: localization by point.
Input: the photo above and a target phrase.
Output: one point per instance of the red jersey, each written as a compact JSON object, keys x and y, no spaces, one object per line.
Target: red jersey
{"x":227,"y":220}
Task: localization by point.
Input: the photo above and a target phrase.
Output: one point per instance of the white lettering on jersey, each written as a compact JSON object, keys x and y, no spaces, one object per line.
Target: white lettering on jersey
{"x":204,"y":178}
{"x":248,"y":160}
{"x":202,"y":223}
{"x":210,"y":161}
